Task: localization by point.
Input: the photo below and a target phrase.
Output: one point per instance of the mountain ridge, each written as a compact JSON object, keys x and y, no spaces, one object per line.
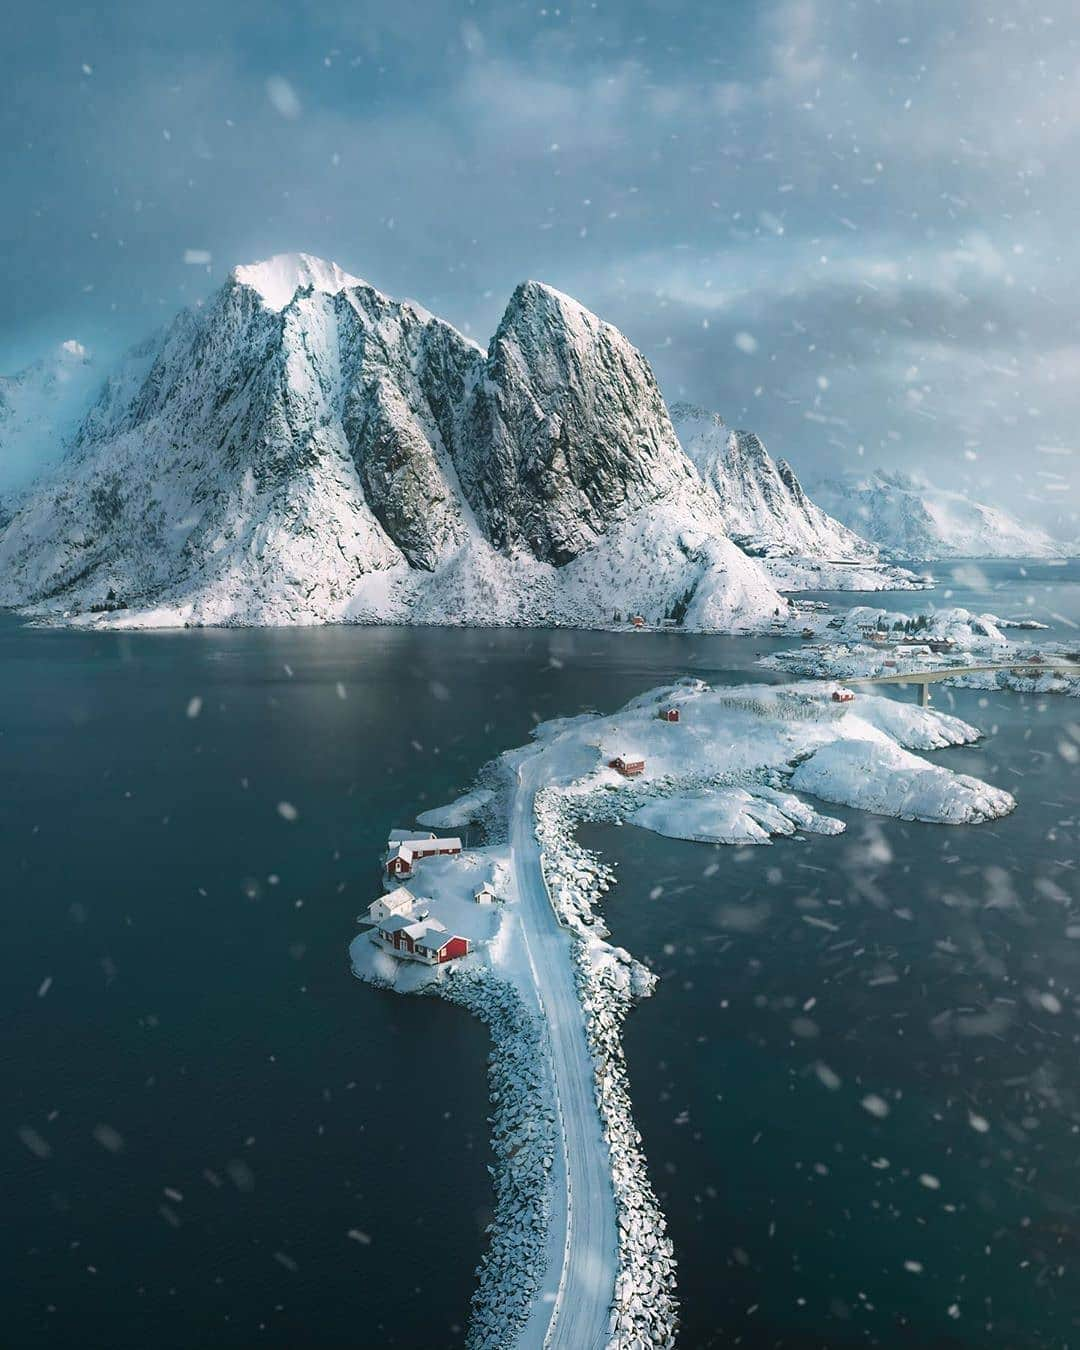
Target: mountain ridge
{"x":765,"y":506}
{"x":346,"y":456}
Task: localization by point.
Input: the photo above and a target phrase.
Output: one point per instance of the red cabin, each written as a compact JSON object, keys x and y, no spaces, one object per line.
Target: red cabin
{"x":405,"y":851}
{"x":669,"y":715}
{"x":400,"y":865}
{"x":843,"y":696}
{"x":436,"y":952}
{"x":628,"y":765}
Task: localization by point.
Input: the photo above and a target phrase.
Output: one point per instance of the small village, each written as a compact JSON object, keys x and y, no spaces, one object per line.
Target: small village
{"x":448,"y":924}
{"x":432,"y":931}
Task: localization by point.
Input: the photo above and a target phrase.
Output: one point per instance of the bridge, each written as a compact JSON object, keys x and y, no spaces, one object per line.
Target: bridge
{"x":925,"y":678}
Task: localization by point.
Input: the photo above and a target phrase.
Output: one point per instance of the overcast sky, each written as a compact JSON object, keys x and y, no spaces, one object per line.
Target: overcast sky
{"x":851,"y":227}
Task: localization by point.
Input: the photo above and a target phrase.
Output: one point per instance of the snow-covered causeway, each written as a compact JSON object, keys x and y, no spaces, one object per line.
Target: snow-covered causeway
{"x":578,"y":1256}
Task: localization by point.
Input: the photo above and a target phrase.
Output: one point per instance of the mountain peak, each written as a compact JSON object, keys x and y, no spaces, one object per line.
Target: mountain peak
{"x":277,"y":279}
{"x":536,"y":298}
{"x":747,"y":445}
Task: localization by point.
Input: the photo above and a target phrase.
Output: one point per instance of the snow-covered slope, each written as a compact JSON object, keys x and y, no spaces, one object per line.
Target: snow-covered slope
{"x":305,"y":449}
{"x":765,"y":508}
{"x":911,"y":519}
{"x":40,"y":409}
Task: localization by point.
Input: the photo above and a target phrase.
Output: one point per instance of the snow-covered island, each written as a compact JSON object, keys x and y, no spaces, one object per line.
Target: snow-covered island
{"x":952,"y":646}
{"x":578,"y":1255}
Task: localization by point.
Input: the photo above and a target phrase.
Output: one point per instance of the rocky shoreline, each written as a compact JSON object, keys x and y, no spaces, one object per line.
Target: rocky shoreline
{"x":644,"y":1309}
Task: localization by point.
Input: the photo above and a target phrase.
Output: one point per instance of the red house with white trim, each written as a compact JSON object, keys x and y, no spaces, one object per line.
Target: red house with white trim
{"x":404,"y":850}
{"x":423,"y":940}
{"x":669,"y":714}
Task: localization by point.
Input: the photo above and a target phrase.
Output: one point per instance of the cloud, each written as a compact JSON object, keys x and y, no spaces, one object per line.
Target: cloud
{"x":881,"y":197}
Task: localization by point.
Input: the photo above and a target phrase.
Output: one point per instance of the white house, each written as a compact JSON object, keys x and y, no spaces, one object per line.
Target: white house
{"x":485,"y":895}
{"x":398,"y":902}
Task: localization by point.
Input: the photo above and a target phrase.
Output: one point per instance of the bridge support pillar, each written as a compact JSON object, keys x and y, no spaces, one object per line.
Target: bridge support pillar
{"x":924,"y":695}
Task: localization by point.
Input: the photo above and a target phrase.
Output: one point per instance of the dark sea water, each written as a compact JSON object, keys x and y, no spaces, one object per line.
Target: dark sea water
{"x":946,"y":985}
{"x":176,"y":1008}
{"x":221,"y":1103}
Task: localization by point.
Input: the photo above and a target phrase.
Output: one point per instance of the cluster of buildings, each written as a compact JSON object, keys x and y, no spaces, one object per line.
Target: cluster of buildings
{"x":879,"y":637}
{"x":403,"y":923}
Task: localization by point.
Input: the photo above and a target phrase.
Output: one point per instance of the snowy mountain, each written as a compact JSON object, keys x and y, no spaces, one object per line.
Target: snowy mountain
{"x":765,"y":508}
{"x":768,"y":514}
{"x":910,"y":518}
{"x":305,"y":449}
{"x":40,"y":409}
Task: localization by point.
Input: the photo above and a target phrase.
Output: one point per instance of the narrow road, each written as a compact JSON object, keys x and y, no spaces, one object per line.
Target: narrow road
{"x":574,"y":1300}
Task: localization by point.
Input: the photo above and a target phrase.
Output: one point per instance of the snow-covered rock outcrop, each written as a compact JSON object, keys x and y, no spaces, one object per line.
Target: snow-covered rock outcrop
{"x":911,"y":519}
{"x":764,"y":505}
{"x":769,"y":515}
{"x":892,"y":781}
{"x":305,"y":449}
{"x":954,"y":624}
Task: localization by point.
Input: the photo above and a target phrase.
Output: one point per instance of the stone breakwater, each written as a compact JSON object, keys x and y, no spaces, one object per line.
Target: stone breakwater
{"x":644,"y":1309}
{"x":524,"y":1140}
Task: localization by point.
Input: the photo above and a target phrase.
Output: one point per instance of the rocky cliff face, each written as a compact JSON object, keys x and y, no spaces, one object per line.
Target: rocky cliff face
{"x":569,"y":431}
{"x":764,"y":506}
{"x":306,"y":449}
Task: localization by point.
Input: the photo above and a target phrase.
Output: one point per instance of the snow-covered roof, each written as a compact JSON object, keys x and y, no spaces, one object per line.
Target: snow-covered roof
{"x":630,"y":757}
{"x":397,"y":902}
{"x":417,"y":931}
{"x":437,"y":941}
{"x":396,"y":923}
{"x":277,"y":279}
{"x":405,"y":836}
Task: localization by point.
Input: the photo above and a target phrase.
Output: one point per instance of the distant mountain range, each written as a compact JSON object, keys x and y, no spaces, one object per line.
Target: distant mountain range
{"x":766,"y":512}
{"x":305,"y":449}
{"x":39,"y":409}
{"x":911,"y":519}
